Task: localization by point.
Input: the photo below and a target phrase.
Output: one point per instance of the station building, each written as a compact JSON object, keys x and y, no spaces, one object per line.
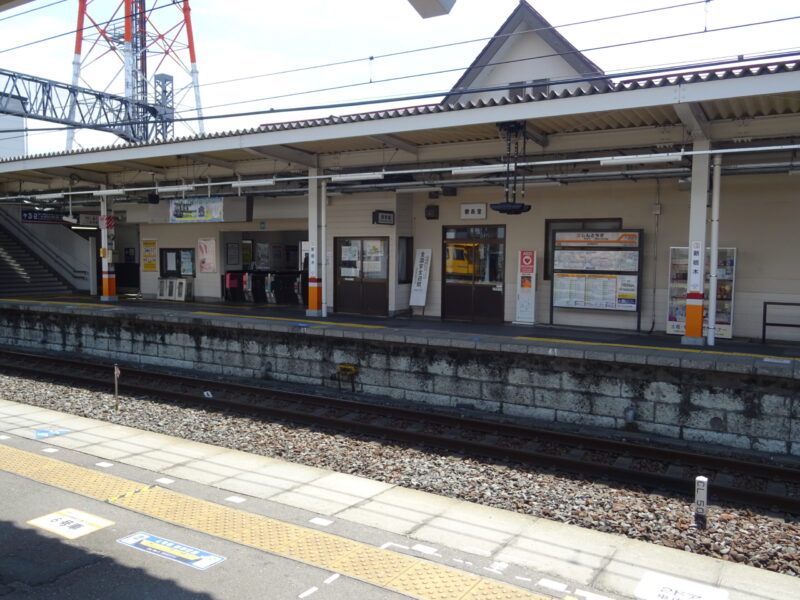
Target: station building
{"x":540,"y":190}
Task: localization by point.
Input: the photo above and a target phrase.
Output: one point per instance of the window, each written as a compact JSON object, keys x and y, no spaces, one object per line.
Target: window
{"x":405,"y":259}
{"x":177,"y":262}
{"x":551,"y":225}
{"x":516,"y":88}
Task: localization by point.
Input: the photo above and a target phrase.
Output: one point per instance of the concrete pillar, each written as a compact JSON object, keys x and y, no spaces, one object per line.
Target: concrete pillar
{"x":698,"y":216}
{"x":109,"y":277}
{"x":314,"y":245}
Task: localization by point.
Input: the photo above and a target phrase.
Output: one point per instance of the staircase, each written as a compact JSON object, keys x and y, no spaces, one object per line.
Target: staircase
{"x":22,"y":273}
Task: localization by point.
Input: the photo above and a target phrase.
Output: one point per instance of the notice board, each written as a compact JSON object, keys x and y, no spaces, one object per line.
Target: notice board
{"x":598,"y":270}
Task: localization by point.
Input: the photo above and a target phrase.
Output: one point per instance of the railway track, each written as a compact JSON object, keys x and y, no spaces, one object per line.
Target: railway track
{"x":761,"y":484}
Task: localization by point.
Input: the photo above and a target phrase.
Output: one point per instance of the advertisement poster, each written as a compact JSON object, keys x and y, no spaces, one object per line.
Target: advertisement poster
{"x":150,"y":256}
{"x":526,"y":287}
{"x":419,"y":283}
{"x":195,"y":210}
{"x":262,"y":257}
{"x":187,"y":262}
{"x":207,"y":255}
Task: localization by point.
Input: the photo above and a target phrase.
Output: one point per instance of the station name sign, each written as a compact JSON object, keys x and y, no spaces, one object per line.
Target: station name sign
{"x":383,"y":217}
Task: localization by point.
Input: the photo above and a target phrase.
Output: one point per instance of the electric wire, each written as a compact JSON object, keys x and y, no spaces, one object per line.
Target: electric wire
{"x":451,"y":44}
{"x":88,"y":27}
{"x":30,"y":10}
{"x":505,"y":62}
{"x":438,"y":93}
{"x":430,"y":95}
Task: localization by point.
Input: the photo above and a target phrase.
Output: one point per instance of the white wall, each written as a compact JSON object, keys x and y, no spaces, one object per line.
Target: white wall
{"x":759,"y":217}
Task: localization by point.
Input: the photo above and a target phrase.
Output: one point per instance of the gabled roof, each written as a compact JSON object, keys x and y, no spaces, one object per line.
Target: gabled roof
{"x":525,"y":15}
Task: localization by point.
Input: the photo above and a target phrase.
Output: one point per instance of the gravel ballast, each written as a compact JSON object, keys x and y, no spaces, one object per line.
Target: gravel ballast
{"x":734,"y":533}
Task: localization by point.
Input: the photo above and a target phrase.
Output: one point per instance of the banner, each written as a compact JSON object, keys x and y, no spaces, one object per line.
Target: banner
{"x":419,"y":284}
{"x":195,"y":210}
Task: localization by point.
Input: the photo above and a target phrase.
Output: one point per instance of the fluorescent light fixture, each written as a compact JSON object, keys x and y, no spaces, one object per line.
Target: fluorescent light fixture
{"x":641,"y":159}
{"x":543,"y":184}
{"x":357,"y":176}
{"x":174,"y":188}
{"x":108,"y":193}
{"x":83,"y":227}
{"x":57,"y":196}
{"x":477,"y":169}
{"x":246,"y":183}
{"x":70,"y":219}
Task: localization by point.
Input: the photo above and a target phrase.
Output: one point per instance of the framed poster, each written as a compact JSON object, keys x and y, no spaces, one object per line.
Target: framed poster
{"x":150,"y":256}
{"x":207,"y":255}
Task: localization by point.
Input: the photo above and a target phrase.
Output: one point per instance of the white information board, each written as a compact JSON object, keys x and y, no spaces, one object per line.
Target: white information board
{"x":419,"y":284}
{"x":526,"y":287}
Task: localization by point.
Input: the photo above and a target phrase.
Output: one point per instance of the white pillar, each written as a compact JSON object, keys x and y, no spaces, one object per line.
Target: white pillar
{"x":315,"y":245}
{"x":109,"y":278}
{"x":714,"y":254}
{"x":698,"y":211}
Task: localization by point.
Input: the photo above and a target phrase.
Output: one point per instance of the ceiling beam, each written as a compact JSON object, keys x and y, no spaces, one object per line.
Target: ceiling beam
{"x":395,"y":142}
{"x":694,"y":118}
{"x":140,"y":166}
{"x":291,"y":155}
{"x":208,"y":160}
{"x":73,"y":173}
{"x":536,"y":136}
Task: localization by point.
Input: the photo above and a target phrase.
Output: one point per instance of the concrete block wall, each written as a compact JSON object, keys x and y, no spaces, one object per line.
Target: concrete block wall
{"x":738,"y":402}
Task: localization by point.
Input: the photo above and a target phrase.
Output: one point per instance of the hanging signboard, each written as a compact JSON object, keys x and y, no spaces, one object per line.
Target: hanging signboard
{"x":597,"y":270}
{"x":195,"y":210}
{"x":43,"y":217}
{"x":526,"y":287}
{"x":419,"y":283}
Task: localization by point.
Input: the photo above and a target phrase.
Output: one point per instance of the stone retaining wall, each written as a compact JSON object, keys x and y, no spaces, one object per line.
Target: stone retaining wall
{"x":745,"y":405}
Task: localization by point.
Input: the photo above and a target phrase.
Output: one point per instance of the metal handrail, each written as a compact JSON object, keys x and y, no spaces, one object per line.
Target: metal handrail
{"x":765,"y":324}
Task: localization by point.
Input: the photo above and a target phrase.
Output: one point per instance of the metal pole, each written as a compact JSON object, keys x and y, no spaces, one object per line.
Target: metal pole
{"x":714,"y":257}
{"x":324,"y":247}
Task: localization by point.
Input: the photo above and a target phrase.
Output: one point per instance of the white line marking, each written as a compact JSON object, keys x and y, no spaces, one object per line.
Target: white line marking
{"x":235,"y":499}
{"x":104,"y":464}
{"x":332,"y":578}
{"x":165,"y":481}
{"x":50,"y":450}
{"x":320,"y":521}
{"x":458,"y":560}
{"x":478,"y":551}
{"x":553,"y":585}
{"x":387,"y":544}
{"x":592,"y":596}
{"x":523,"y":578}
{"x":5,"y":437}
{"x":308,"y":592}
{"x":424,"y":549}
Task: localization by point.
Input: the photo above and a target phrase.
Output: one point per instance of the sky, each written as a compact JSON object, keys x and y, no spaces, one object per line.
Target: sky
{"x":250,"y":40}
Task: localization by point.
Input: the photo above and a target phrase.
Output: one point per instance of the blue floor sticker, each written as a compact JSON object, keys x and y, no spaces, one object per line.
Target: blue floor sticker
{"x":198,"y":559}
{"x":46,"y":433}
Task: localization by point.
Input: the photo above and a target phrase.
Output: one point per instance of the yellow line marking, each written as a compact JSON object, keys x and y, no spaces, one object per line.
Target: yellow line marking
{"x":397,"y":572}
{"x":692,"y":350}
{"x":29,"y":301}
{"x":213,"y":314}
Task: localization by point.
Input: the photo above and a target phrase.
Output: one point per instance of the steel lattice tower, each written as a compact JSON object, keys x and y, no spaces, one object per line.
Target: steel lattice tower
{"x":122,"y":47}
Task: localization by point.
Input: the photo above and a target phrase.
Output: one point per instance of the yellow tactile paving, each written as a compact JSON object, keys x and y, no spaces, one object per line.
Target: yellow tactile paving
{"x":86,"y":482}
{"x":407,"y":575}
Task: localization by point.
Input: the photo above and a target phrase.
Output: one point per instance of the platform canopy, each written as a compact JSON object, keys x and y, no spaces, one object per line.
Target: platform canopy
{"x":6,"y":4}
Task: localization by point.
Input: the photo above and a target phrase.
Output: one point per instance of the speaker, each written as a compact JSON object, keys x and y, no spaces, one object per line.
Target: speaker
{"x":432,"y":212}
{"x":153,"y":198}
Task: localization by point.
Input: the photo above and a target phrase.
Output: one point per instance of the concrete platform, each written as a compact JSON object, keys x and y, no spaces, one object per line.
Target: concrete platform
{"x":527,"y":557}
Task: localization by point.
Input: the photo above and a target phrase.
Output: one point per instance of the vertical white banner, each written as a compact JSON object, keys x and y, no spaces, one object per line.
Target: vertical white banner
{"x":419,"y":284}
{"x":526,"y":287}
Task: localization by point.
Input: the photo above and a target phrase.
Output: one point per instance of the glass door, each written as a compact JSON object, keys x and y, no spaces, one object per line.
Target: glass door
{"x":361,"y":283}
{"x":474,"y":265}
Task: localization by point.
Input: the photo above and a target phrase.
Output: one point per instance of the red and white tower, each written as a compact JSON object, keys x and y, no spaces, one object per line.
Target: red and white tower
{"x":119,"y":43}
